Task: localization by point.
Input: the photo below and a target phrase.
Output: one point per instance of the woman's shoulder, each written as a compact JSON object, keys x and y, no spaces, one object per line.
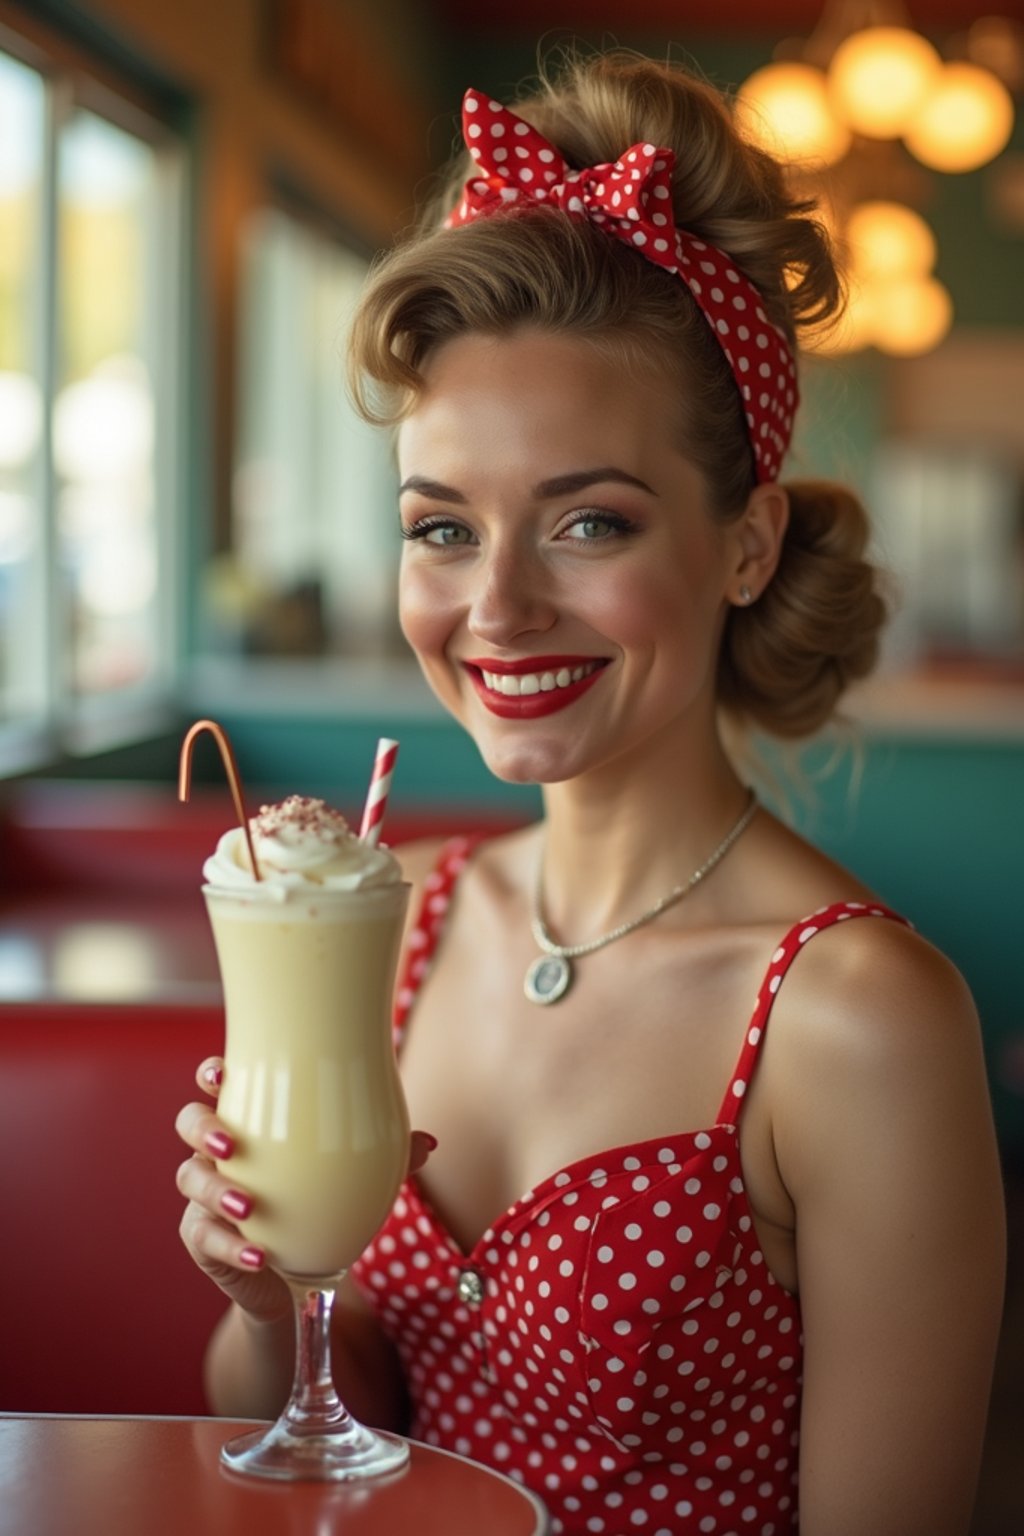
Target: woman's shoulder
{"x":858,"y":979}
{"x":867,"y":958}
{"x":870,"y":1006}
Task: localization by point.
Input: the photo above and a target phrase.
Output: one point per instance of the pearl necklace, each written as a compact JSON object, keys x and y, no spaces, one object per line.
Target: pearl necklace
{"x":550,"y":975}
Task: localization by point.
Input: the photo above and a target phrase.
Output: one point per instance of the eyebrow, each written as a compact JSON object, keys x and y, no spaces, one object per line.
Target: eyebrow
{"x":547,"y":490}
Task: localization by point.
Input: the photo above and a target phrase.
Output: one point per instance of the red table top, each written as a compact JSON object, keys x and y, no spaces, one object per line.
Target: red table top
{"x":120,"y":1477}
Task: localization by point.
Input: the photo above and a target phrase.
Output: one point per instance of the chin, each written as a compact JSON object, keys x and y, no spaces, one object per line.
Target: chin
{"x":527,"y":765}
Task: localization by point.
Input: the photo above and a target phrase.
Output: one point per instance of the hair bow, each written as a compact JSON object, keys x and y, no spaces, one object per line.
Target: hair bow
{"x":631,"y":199}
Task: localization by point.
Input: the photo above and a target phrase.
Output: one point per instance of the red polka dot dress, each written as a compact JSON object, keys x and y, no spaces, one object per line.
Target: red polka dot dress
{"x":615,"y":1341}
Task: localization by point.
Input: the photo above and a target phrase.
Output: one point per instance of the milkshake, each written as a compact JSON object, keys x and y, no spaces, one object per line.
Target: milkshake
{"x":311,"y":1092}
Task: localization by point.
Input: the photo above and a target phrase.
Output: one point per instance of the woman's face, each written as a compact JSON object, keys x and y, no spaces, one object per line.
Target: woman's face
{"x":562,"y":584}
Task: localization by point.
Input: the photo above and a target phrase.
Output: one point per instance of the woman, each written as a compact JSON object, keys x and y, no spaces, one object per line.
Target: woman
{"x":734,"y":1238}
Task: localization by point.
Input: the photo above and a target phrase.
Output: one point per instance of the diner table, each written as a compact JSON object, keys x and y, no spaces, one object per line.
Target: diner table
{"x":88,"y":1475}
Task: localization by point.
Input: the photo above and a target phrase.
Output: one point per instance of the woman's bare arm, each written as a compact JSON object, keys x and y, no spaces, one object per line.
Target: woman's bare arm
{"x":884,"y":1138}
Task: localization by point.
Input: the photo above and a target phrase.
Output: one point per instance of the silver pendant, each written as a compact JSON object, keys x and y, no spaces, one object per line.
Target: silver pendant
{"x":548,"y":979}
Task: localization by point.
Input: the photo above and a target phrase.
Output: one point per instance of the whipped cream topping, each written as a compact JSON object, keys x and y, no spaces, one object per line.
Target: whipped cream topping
{"x":300,"y":843}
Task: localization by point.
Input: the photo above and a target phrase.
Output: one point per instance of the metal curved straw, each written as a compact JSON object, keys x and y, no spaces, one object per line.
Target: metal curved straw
{"x":220,"y":736}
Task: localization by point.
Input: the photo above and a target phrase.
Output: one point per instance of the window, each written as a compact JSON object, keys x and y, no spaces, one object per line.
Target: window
{"x":311,"y":569}
{"x":90,"y":299}
{"x":23,"y":669}
{"x":948,"y":519}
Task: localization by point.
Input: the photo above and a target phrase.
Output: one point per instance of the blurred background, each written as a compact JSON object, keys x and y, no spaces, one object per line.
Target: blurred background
{"x":193,"y":522}
{"x":191,"y":516}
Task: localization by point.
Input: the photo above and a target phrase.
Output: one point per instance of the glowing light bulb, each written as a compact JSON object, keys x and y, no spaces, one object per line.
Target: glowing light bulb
{"x":887,"y":240}
{"x":784,"y":108}
{"x":964,"y":121}
{"x":910,"y":315}
{"x":879,"y":77}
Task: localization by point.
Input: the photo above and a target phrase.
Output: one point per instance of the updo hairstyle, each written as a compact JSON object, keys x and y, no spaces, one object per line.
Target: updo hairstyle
{"x":786,"y":659}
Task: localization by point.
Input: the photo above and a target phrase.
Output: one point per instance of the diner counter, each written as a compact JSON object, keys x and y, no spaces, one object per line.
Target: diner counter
{"x":123,"y":1476}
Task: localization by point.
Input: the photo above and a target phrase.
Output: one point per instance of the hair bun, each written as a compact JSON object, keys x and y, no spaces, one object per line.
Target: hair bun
{"x":786,"y":661}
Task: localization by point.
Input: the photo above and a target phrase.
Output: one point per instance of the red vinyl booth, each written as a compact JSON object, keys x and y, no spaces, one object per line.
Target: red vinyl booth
{"x":101,"y":1310}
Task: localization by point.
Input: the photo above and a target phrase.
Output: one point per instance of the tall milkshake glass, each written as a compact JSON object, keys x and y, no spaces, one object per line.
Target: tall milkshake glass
{"x":311,"y":1096}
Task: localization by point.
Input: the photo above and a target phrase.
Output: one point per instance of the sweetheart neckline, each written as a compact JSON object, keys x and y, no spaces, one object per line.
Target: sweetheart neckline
{"x":563,"y":1178}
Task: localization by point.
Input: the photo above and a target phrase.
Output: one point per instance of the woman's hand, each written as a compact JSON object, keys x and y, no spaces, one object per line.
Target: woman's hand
{"x":215,"y":1203}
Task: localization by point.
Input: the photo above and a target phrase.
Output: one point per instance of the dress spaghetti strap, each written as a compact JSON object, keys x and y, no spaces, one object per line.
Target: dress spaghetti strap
{"x":790,"y":946}
{"x":424,"y":937}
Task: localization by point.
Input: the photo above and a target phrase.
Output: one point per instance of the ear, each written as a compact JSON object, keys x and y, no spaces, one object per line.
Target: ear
{"x":757,"y":538}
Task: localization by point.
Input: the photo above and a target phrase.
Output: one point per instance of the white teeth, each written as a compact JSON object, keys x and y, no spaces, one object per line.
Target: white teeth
{"x":514,"y":685}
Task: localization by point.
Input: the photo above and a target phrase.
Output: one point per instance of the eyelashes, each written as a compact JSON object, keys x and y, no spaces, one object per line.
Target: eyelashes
{"x":615,"y":521}
{"x":424,"y":525}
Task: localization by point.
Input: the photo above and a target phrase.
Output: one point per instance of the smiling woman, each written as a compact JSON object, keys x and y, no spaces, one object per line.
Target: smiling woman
{"x":686,"y":1254}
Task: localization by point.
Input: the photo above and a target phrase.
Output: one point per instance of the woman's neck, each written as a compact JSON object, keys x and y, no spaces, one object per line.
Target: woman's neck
{"x":618,"y":839}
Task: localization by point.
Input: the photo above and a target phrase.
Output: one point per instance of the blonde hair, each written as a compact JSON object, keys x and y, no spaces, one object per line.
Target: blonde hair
{"x":786,"y":659}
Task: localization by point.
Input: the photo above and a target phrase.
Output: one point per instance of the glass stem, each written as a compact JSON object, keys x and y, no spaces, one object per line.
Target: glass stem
{"x":314,"y":1404}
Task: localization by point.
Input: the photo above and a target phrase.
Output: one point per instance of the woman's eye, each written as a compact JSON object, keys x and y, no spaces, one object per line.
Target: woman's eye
{"x":447,"y":534}
{"x":437,"y":532}
{"x":596,"y":527}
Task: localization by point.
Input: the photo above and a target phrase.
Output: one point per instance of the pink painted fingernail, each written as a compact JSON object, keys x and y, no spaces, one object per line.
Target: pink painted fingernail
{"x":214,"y":1076}
{"x":253,"y":1258}
{"x":431,"y":1141}
{"x":236,"y":1204}
{"x":219,"y":1143}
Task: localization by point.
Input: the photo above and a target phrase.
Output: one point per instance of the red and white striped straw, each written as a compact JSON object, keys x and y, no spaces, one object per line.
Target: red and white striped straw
{"x":377,"y":796}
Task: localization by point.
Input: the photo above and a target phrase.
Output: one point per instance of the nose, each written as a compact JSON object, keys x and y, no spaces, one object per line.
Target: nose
{"x":512,"y":597}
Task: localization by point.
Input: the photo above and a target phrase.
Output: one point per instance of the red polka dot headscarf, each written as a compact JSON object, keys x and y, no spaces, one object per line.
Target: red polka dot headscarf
{"x":632,"y":201}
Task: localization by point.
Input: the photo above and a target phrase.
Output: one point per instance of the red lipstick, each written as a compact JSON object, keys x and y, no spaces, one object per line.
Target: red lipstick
{"x":532,"y":706}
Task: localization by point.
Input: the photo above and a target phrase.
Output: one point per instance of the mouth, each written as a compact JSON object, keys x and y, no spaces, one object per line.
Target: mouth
{"x":535,"y":685}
